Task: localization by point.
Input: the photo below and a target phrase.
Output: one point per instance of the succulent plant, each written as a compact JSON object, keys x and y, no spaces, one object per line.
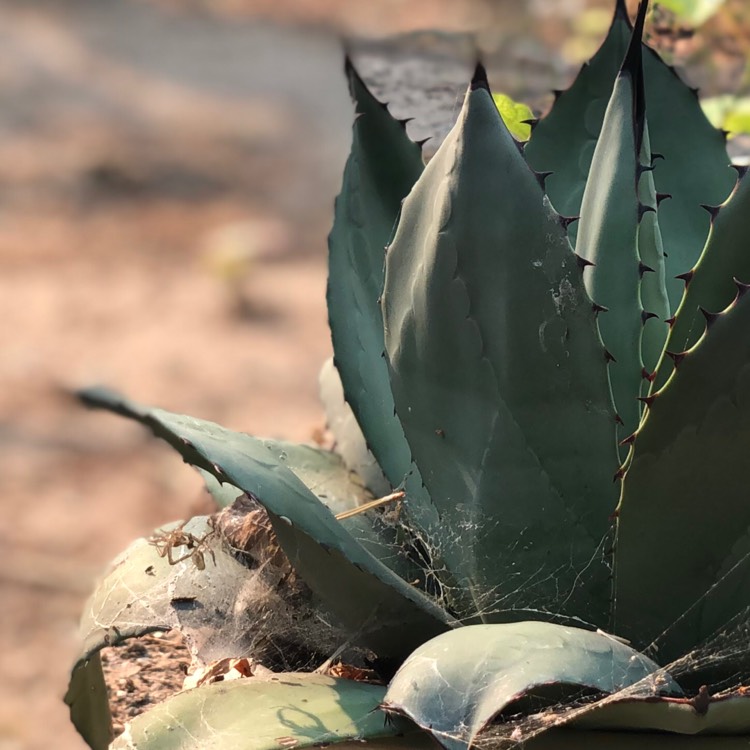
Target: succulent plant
{"x":563,"y":408}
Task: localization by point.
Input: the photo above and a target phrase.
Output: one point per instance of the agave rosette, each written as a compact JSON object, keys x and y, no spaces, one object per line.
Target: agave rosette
{"x":566,"y":406}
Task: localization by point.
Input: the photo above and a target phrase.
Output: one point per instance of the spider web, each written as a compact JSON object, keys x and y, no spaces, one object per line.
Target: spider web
{"x":720,"y":665}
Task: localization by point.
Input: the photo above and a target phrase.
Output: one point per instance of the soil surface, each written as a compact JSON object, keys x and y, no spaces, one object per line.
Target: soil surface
{"x":167,"y":177}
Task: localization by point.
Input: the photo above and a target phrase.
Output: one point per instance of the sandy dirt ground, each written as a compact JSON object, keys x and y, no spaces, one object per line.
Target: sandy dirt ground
{"x":167,"y":178}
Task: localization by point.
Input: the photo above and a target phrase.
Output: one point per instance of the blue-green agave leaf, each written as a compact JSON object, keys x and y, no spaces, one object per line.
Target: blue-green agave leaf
{"x":454,"y":685}
{"x":682,"y":554}
{"x":608,"y":235}
{"x":563,"y":142}
{"x":619,"y":236}
{"x":285,"y":710}
{"x":710,"y":285}
{"x":499,"y":377}
{"x":382,"y":168}
{"x":382,"y":610}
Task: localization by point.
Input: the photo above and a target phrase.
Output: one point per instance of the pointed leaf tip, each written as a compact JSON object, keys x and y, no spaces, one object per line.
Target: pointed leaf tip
{"x":632,"y":64}
{"x":621,"y":13}
{"x":479,"y":79}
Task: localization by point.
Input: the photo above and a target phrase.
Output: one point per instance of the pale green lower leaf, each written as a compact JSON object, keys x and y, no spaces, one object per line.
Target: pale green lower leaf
{"x":284,"y":711}
{"x":455,"y":684}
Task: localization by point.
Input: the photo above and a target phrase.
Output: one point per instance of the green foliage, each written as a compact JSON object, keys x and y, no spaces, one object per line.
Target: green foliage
{"x":692,"y":12}
{"x":517,"y":116}
{"x":502,"y":381}
{"x":307,"y":710}
{"x":730,"y":113}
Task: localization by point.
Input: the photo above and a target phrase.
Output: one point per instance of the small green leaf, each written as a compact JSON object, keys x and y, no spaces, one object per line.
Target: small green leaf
{"x":692,"y":12}
{"x":454,"y":685}
{"x":285,"y":710}
{"x":514,"y":115}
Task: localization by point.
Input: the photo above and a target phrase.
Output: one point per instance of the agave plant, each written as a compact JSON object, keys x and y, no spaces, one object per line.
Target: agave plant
{"x":561,"y":410}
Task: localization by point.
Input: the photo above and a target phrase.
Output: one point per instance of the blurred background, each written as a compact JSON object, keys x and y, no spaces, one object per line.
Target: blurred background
{"x":167,"y":177}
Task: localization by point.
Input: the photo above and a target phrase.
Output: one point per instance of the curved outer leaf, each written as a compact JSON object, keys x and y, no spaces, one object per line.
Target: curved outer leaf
{"x":682,"y":558}
{"x":455,"y":684}
{"x":499,"y":376}
{"x":322,"y":472}
{"x":711,"y":284}
{"x":382,"y":610}
{"x":382,"y":168}
{"x":287,"y":710}
{"x":564,"y":141}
